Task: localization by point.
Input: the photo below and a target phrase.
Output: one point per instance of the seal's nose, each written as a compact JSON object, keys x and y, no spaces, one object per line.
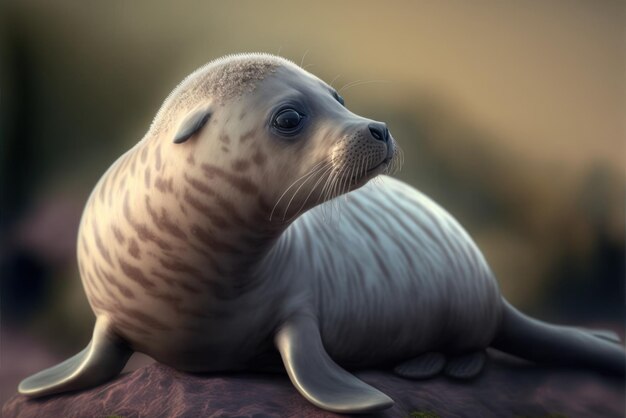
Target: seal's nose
{"x":379,"y":131}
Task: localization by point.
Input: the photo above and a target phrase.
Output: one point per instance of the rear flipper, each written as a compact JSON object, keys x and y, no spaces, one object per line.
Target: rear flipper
{"x":466,"y":366}
{"x":103,"y":359}
{"x":555,"y":345}
{"x":424,"y":366}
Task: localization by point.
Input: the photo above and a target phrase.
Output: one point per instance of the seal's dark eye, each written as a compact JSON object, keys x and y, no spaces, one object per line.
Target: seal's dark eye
{"x":287,"y":120}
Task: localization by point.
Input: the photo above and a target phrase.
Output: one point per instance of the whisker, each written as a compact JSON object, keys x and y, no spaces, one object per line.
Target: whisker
{"x":398,"y":160}
{"x":331,"y":190}
{"x":338,"y":178}
{"x":352,"y":175}
{"x":347,"y":84}
{"x":350,"y":182}
{"x":303,"y":57}
{"x":311,"y":175}
{"x":335,"y":79}
{"x":361,"y":82}
{"x":345,"y":184}
{"x":328,"y":174}
{"x":335,"y":192}
{"x":362,"y":167}
{"x":323,"y":195}
{"x":329,"y":186}
{"x":292,"y":185}
{"x":365,"y":164}
{"x":310,"y":193}
{"x":340,"y":186}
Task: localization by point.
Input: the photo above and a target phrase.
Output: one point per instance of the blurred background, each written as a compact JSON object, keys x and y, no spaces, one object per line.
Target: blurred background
{"x":511,"y":115}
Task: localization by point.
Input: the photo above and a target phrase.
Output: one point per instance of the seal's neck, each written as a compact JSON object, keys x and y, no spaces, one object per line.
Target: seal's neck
{"x":228,"y":223}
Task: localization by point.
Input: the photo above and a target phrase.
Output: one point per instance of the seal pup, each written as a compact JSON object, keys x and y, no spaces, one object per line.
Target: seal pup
{"x":206,"y":246}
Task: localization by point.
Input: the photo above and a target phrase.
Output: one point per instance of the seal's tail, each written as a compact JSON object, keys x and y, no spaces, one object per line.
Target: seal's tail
{"x":103,"y":359}
{"x":540,"y":342}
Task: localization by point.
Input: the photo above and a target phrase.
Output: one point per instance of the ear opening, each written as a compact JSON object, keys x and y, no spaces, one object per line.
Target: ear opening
{"x":191,"y":125}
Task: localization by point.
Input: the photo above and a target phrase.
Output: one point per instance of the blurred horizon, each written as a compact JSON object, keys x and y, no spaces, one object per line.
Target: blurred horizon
{"x":511,"y":116}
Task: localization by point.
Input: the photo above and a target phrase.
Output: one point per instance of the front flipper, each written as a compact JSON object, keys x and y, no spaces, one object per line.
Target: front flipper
{"x":103,"y":359}
{"x":317,"y":377}
{"x":466,"y":366}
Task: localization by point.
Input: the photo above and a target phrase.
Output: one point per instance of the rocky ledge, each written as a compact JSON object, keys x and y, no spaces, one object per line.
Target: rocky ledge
{"x":507,"y":388}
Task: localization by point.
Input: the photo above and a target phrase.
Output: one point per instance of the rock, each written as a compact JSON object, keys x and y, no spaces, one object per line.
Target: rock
{"x":507,"y":388}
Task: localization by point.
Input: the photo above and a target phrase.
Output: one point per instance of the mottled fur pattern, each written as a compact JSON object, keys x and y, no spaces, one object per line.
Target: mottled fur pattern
{"x":174,"y":236}
{"x":188,"y":233}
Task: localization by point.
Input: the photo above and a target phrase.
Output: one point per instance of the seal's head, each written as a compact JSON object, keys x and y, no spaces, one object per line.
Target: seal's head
{"x":275,"y":132}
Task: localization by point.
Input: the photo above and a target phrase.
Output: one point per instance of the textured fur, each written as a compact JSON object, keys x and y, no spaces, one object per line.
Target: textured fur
{"x":220,"y":79}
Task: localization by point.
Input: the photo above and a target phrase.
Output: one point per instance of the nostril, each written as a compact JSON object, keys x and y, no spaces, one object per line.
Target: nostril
{"x":379,"y":131}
